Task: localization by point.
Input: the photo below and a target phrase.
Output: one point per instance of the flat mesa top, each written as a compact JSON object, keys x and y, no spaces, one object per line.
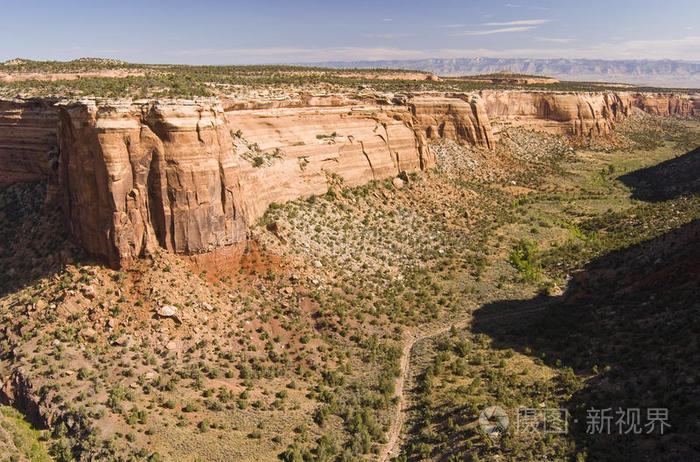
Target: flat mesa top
{"x":104,"y":78}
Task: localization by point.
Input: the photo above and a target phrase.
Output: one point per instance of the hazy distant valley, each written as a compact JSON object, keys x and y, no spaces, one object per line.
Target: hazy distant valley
{"x":666,"y":73}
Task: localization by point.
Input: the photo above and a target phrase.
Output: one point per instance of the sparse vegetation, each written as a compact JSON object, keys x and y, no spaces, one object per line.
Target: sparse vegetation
{"x":178,"y":81}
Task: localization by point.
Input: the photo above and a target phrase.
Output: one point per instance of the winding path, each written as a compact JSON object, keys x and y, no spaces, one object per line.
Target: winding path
{"x":393,"y":444}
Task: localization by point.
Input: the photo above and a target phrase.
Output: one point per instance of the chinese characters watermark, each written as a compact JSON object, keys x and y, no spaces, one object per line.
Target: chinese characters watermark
{"x":542,"y":420}
{"x":626,"y":421}
{"x":494,"y":421}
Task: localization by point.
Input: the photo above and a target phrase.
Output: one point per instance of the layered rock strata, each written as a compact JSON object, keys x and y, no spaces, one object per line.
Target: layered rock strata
{"x":189,"y":177}
{"x":581,"y":114}
{"x":27,"y":136}
{"x":135,"y":176}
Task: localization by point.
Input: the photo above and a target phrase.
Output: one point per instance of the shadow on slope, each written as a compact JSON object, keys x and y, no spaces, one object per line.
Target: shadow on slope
{"x":630,"y":322}
{"x":667,"y":180}
{"x":33,"y":243}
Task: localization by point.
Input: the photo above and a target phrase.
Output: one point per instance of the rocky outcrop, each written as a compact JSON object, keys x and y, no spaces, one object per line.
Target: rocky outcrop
{"x":189,"y":177}
{"x":665,"y":104}
{"x":459,"y":118}
{"x":136,"y":177}
{"x":301,"y":147}
{"x":133,"y":177}
{"x":17,"y":390}
{"x":359,"y":142}
{"x":27,"y":136}
{"x":582,"y":114}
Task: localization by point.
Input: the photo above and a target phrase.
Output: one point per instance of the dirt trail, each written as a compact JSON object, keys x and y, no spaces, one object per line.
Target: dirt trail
{"x":393,"y":445}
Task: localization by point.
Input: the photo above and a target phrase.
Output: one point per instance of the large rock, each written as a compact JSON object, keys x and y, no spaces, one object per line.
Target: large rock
{"x":584,"y":114}
{"x":189,"y":176}
{"x":665,"y":104}
{"x":135,"y":177}
{"x":462,"y":117}
{"x":359,"y":142}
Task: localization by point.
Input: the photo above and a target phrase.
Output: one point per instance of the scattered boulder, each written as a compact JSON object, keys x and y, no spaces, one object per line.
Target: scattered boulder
{"x":398,"y":183}
{"x":89,"y":292}
{"x":89,"y":334}
{"x":167,"y":311}
{"x":276,"y":228}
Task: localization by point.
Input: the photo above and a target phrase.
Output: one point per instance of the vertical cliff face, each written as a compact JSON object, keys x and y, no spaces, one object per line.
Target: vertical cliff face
{"x":190,"y":176}
{"x":664,"y":104}
{"x":582,"y":114}
{"x":462,"y":117}
{"x":359,"y":142}
{"x":301,"y":147}
{"x":27,"y":136}
{"x":137,"y":177}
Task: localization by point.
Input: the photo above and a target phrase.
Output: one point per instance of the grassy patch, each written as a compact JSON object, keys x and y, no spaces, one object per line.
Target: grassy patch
{"x":27,"y":441}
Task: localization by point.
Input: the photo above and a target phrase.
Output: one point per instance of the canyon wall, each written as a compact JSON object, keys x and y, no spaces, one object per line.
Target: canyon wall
{"x":136,"y":177}
{"x":27,"y":136}
{"x":189,"y":177}
{"x":359,"y":142}
{"x":665,"y":104}
{"x":580,"y":114}
{"x":133,"y":177}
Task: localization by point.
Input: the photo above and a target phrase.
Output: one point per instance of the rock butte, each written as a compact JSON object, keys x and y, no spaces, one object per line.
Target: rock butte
{"x":135,"y":176}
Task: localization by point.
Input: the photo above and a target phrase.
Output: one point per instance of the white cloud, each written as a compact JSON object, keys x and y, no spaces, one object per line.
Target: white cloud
{"x":387,"y":19}
{"x":515,"y":5}
{"x":685,"y":48}
{"x":554,"y":39}
{"x":522,"y":22}
{"x":494,"y":31}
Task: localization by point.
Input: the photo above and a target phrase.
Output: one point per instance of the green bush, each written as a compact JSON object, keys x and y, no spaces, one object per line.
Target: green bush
{"x":524,"y":259}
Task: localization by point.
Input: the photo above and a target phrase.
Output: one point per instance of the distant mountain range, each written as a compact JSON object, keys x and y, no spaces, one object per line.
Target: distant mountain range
{"x":665,"y":73}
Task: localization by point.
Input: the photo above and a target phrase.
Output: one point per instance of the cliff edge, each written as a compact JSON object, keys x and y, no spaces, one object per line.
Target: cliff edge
{"x":132,"y":177}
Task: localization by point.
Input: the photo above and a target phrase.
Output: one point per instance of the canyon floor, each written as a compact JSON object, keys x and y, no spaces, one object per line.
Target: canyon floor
{"x":378,"y":321}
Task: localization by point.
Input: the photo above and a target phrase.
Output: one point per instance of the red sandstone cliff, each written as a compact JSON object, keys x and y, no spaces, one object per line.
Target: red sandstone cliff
{"x":27,"y":136}
{"x":190,"y":176}
{"x":583,"y":114}
{"x":135,"y":177}
{"x":586,"y":114}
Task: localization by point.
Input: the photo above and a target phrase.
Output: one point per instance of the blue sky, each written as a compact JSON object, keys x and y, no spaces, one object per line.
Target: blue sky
{"x":237,"y":32}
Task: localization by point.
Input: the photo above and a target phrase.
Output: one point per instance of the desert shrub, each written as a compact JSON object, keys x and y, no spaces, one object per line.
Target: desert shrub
{"x":524,"y":259}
